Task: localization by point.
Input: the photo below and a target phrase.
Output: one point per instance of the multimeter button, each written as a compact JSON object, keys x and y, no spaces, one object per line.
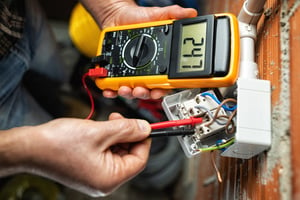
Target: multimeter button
{"x":162,"y":69}
{"x":107,"y":47}
{"x":166,"y":29}
{"x":116,"y":70}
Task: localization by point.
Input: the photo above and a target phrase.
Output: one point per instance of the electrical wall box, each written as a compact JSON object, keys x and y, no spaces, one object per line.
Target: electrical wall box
{"x":253,"y":131}
{"x":191,"y":103}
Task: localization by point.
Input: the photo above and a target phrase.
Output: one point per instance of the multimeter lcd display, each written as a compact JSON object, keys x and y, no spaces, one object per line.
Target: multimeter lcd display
{"x":192,"y":48}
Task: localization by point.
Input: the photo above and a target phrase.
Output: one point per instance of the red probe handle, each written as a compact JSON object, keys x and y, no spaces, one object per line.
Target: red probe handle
{"x":191,"y":121}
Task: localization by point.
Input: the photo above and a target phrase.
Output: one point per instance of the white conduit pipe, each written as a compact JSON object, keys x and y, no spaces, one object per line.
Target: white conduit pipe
{"x":248,"y":18}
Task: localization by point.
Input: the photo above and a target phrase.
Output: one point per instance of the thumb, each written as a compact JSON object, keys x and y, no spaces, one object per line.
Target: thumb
{"x":172,"y":12}
{"x":125,"y":131}
{"x":114,"y":116}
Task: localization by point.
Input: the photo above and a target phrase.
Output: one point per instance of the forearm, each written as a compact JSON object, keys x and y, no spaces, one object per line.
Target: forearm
{"x":14,"y":149}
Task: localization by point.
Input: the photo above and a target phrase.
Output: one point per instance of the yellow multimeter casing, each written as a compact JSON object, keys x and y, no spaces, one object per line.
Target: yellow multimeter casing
{"x":200,"y":52}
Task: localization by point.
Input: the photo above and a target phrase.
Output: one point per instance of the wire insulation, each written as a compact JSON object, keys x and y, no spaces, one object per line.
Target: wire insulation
{"x":218,"y":121}
{"x":216,"y":116}
{"x":218,"y":102}
{"x":217,"y":147}
{"x":89,"y":94}
{"x":215,"y":167}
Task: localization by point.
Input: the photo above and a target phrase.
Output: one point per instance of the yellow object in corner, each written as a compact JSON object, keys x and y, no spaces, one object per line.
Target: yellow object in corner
{"x":84,"y":31}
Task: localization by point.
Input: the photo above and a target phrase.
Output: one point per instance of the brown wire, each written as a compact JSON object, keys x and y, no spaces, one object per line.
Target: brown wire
{"x":215,"y":167}
{"x":230,"y":121}
{"x":218,"y":110}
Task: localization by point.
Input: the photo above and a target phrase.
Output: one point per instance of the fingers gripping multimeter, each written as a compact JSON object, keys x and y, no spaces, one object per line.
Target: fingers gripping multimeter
{"x":189,"y":53}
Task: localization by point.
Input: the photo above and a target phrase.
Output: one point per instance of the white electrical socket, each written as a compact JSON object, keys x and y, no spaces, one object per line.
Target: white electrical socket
{"x":191,"y":103}
{"x":253,"y":125}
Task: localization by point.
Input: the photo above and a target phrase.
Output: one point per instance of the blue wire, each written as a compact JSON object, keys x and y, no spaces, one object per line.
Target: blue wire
{"x":218,"y":102}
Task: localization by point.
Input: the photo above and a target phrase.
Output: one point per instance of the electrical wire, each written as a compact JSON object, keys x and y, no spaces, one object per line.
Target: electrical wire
{"x":230,"y":122}
{"x":217,"y":147}
{"x":210,"y":114}
{"x":215,"y":167}
{"x":230,"y":118}
{"x":89,"y":94}
{"x":218,"y":102}
{"x":216,"y":116}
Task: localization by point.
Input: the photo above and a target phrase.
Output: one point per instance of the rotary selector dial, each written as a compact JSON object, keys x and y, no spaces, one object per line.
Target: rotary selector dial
{"x":139,"y":51}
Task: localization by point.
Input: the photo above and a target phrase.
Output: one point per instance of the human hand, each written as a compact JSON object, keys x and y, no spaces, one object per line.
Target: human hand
{"x":130,"y":13}
{"x":121,"y":12}
{"x":113,"y":13}
{"x":92,"y":157}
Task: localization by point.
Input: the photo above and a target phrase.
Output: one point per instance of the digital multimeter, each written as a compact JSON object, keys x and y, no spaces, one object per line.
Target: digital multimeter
{"x":188,"y":53}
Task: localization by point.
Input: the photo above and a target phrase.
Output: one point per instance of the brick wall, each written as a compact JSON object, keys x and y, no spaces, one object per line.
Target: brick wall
{"x":274,"y":174}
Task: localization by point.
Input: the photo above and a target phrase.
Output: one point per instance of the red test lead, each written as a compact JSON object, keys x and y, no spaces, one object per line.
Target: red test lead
{"x":96,"y":72}
{"x":191,"y":121}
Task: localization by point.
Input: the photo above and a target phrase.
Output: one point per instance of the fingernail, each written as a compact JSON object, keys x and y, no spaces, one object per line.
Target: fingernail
{"x":144,"y":126}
